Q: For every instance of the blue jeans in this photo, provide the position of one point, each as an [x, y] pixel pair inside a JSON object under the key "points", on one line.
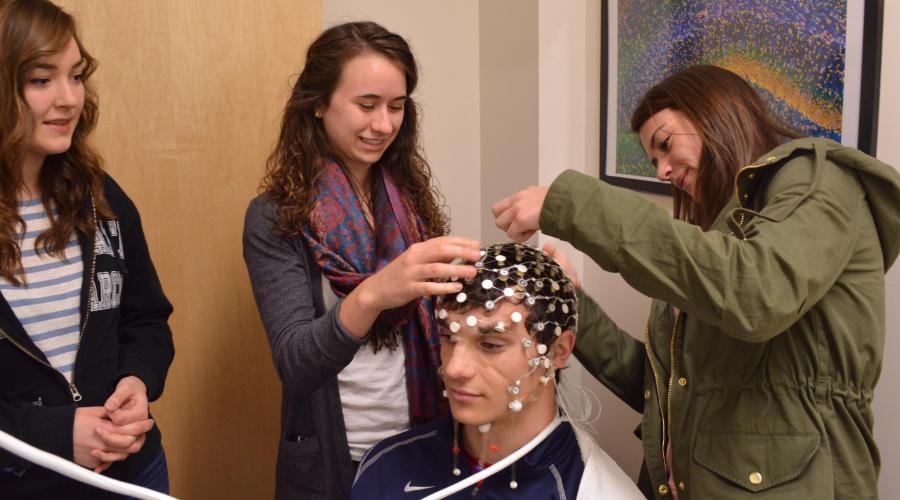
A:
{"points": [[155, 475]]}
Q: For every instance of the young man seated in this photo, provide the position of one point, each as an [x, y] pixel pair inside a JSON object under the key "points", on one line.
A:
{"points": [[503, 338]]}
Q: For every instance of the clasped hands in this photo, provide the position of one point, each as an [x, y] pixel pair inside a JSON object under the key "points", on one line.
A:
{"points": [[109, 433]]}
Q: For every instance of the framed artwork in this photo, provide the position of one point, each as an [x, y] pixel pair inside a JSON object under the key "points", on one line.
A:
{"points": [[815, 62]]}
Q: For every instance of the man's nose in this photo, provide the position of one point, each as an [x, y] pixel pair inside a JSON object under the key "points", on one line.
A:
{"points": [[458, 364]]}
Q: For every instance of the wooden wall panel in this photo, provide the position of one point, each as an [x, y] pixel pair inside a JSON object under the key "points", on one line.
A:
{"points": [[190, 99]]}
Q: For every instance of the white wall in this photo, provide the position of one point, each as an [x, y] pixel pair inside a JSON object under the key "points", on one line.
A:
{"points": [[444, 39]]}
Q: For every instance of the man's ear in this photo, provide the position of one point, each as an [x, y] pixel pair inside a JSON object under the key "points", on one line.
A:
{"points": [[562, 349]]}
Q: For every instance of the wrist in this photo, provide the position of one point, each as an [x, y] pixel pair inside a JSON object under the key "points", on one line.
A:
{"points": [[358, 311], [135, 381], [366, 300]]}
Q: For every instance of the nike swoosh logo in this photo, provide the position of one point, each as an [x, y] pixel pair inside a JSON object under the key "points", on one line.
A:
{"points": [[409, 488]]}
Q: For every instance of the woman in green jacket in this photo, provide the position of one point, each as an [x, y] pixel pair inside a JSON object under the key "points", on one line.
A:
{"points": [[765, 338]]}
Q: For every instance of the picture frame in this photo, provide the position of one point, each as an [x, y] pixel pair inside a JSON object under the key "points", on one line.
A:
{"points": [[825, 57]]}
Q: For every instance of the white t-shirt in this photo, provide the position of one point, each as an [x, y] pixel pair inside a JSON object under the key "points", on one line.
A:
{"points": [[373, 392]]}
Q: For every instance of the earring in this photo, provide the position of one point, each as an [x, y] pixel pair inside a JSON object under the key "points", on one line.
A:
{"points": [[318, 114]]}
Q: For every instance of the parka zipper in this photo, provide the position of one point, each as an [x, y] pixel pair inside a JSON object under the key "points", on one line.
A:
{"points": [[664, 418], [73, 389], [737, 188]]}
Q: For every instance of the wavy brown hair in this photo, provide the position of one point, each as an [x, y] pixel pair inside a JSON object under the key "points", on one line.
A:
{"points": [[31, 30], [296, 163], [734, 124]]}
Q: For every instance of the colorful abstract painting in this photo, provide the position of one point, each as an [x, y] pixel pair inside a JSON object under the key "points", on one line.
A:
{"points": [[791, 51]]}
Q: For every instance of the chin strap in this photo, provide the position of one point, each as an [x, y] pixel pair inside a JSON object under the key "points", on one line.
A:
{"points": [[497, 467]]}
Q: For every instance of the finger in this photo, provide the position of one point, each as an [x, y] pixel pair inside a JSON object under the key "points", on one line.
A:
{"points": [[519, 236], [550, 250], [502, 205], [135, 429], [438, 270], [458, 240], [138, 444], [563, 260], [109, 456], [115, 400], [128, 414], [430, 288], [559, 256], [102, 467], [446, 251], [113, 440], [505, 219]]}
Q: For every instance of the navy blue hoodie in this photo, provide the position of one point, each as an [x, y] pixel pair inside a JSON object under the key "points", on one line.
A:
{"points": [[125, 332]]}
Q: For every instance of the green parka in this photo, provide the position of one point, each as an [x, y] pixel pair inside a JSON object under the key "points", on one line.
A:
{"points": [[763, 381]]}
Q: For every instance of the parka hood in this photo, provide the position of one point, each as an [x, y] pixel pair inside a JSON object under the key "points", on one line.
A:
{"points": [[880, 181]]}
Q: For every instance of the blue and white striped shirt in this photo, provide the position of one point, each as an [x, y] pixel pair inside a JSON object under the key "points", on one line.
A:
{"points": [[48, 304]]}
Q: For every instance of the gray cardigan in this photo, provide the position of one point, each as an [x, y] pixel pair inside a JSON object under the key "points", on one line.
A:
{"points": [[309, 349]]}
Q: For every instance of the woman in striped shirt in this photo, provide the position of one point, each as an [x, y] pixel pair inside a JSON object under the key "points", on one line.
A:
{"points": [[80, 353]]}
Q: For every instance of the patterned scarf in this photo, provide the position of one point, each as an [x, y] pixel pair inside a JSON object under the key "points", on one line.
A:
{"points": [[348, 251]]}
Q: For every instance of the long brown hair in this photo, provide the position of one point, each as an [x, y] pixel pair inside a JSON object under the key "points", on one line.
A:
{"points": [[30, 30], [734, 125], [296, 163]]}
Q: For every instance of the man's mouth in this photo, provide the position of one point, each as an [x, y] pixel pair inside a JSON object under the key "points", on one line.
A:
{"points": [[461, 395]]}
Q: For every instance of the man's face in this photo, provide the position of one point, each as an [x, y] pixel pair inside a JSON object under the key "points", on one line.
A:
{"points": [[484, 358]]}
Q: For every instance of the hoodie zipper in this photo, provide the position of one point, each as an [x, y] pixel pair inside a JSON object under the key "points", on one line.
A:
{"points": [[73, 389]]}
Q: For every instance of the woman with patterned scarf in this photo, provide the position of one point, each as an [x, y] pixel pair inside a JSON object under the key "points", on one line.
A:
{"points": [[344, 247]]}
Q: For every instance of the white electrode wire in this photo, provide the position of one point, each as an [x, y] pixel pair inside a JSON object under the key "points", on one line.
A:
{"points": [[75, 471], [497, 467], [578, 403]]}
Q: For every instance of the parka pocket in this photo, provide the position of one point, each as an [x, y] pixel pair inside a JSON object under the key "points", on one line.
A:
{"points": [[755, 462]]}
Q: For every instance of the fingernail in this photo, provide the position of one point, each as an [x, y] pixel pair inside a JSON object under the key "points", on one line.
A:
{"points": [[457, 286]]}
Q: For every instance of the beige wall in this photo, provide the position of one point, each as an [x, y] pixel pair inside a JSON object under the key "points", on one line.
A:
{"points": [[444, 38], [887, 394], [190, 97], [509, 110]]}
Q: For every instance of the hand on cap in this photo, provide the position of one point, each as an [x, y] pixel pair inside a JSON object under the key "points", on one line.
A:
{"points": [[563, 260], [417, 272], [519, 216]]}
